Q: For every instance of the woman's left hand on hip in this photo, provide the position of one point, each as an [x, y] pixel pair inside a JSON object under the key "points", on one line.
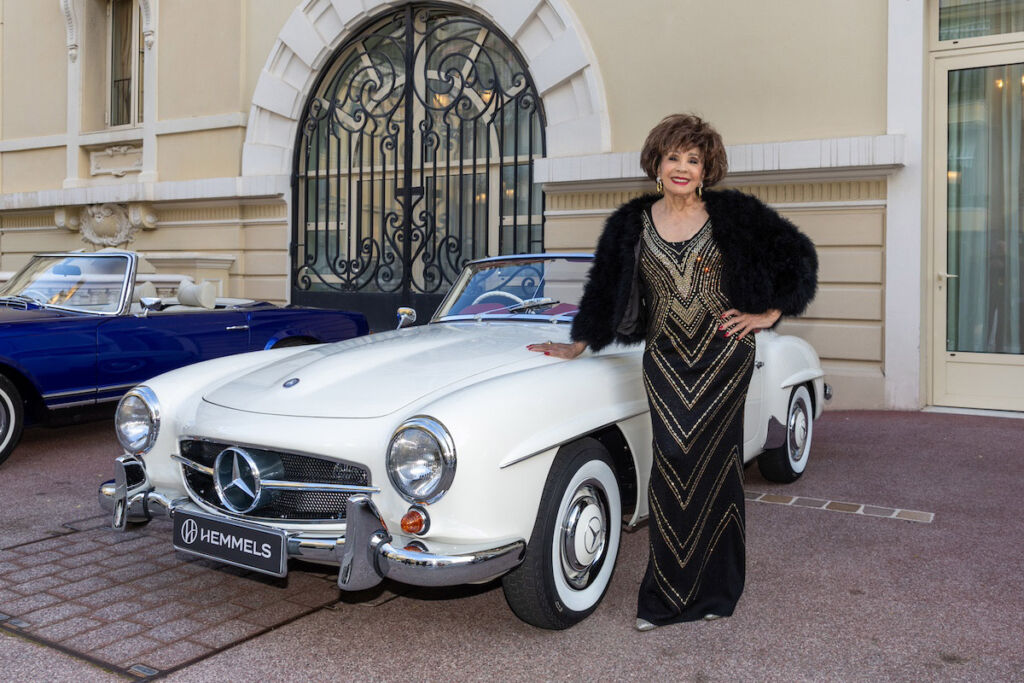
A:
{"points": [[742, 324]]}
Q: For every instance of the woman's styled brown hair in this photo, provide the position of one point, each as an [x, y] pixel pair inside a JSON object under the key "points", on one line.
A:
{"points": [[683, 131]]}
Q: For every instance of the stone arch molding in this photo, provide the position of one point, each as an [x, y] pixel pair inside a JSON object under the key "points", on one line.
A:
{"points": [[546, 32]]}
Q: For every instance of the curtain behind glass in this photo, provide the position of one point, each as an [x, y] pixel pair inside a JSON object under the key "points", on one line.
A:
{"points": [[120, 62], [960, 19], [984, 206]]}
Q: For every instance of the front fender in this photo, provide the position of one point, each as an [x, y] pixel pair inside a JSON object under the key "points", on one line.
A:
{"points": [[180, 392], [507, 431]]}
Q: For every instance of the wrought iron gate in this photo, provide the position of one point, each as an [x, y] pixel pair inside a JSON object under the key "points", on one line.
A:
{"points": [[415, 154]]}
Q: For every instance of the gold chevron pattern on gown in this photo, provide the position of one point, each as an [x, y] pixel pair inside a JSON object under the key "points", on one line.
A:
{"points": [[696, 380]]}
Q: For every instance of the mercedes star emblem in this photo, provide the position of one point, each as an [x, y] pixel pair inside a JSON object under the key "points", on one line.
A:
{"points": [[237, 479], [593, 536]]}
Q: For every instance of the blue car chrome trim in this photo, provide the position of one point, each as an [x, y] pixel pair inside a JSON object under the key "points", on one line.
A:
{"points": [[574, 255], [67, 394], [129, 277]]}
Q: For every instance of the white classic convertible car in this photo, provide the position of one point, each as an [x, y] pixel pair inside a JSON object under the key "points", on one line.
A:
{"points": [[436, 455]]}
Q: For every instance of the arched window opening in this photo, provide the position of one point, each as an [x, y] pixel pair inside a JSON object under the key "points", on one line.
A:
{"points": [[415, 155]]}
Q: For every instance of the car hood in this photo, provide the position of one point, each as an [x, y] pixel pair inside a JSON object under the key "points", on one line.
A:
{"points": [[10, 314], [376, 375]]}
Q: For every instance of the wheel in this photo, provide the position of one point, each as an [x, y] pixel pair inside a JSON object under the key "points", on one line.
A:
{"points": [[498, 294], [787, 462], [575, 541], [12, 417]]}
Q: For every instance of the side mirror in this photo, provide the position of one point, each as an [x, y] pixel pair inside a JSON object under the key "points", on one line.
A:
{"points": [[152, 303], [406, 317]]}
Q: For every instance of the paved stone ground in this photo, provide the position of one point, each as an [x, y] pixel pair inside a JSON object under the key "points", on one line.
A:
{"points": [[130, 602], [840, 586]]}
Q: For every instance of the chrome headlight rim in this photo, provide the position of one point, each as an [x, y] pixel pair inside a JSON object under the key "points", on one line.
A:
{"points": [[152, 404], [446, 446]]}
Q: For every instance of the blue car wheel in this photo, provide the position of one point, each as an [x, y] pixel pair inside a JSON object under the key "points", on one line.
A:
{"points": [[12, 417]]}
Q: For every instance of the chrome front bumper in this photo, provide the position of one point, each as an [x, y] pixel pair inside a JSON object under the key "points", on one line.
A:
{"points": [[366, 553]]}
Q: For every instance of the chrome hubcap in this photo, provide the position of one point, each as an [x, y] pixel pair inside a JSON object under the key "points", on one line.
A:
{"points": [[584, 531], [797, 431]]}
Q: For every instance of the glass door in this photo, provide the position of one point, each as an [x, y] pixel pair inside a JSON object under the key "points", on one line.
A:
{"points": [[978, 334]]}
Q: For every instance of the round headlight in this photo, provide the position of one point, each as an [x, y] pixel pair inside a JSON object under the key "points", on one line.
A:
{"points": [[137, 420], [421, 460]]}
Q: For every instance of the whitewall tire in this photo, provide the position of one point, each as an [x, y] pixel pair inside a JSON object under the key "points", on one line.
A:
{"points": [[787, 462], [575, 541], [12, 417]]}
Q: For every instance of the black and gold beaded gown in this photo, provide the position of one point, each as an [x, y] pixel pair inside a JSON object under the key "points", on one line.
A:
{"points": [[696, 380]]}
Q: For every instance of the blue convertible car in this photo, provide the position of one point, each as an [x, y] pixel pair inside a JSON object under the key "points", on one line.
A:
{"points": [[81, 328]]}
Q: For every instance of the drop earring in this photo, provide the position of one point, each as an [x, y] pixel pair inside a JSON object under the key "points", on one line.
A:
{"points": [[660, 186], [700, 191]]}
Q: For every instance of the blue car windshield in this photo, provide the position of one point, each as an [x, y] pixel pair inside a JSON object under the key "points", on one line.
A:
{"points": [[534, 288], [89, 283]]}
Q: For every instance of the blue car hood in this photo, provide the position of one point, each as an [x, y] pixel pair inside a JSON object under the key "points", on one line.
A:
{"points": [[15, 315]]}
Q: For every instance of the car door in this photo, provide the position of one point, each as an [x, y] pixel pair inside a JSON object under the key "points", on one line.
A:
{"points": [[58, 354], [269, 324], [134, 348]]}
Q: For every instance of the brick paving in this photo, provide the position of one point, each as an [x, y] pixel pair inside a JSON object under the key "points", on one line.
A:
{"points": [[130, 601]]}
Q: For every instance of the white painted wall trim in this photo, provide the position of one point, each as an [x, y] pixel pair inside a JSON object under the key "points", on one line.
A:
{"points": [[179, 190], [193, 124], [825, 157], [904, 216], [190, 124], [842, 205], [557, 54], [42, 142]]}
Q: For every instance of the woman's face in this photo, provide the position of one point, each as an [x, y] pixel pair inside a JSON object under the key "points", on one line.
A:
{"points": [[681, 171]]}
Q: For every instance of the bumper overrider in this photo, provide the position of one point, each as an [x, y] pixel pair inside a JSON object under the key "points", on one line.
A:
{"points": [[366, 553]]}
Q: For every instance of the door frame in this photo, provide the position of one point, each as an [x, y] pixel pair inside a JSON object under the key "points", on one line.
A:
{"points": [[982, 364]]}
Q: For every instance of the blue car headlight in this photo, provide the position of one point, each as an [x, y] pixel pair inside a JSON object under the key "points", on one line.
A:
{"points": [[421, 460], [137, 420]]}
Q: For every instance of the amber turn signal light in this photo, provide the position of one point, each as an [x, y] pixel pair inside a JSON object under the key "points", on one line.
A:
{"points": [[414, 521]]}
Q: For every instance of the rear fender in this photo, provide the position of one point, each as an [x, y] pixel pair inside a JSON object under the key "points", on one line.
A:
{"points": [[789, 362]]}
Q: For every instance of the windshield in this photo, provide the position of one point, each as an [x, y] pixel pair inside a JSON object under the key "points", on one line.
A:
{"points": [[91, 282], [546, 289]]}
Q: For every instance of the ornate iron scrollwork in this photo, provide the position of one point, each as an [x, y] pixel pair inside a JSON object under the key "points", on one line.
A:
{"points": [[415, 152]]}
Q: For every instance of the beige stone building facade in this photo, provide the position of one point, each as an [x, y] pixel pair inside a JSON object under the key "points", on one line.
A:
{"points": [[277, 147]]}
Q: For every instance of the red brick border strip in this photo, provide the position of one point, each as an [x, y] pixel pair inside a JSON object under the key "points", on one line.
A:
{"points": [[838, 506]]}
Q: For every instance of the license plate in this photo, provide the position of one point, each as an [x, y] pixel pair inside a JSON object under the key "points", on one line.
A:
{"points": [[243, 545]]}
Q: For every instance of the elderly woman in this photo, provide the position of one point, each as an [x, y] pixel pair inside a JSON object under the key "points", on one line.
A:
{"points": [[693, 272]]}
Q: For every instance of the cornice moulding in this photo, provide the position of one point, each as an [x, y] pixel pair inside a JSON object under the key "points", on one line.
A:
{"points": [[178, 190], [826, 159]]}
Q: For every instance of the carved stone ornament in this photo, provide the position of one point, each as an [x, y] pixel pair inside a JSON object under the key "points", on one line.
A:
{"points": [[148, 30], [107, 225], [116, 160], [70, 27]]}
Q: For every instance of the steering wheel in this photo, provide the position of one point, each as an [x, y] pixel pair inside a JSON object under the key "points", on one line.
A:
{"points": [[497, 293], [35, 295]]}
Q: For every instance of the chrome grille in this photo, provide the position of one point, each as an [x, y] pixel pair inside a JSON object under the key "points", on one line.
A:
{"points": [[283, 505]]}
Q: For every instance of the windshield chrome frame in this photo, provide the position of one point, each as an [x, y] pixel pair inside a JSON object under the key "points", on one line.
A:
{"points": [[127, 283], [520, 317]]}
